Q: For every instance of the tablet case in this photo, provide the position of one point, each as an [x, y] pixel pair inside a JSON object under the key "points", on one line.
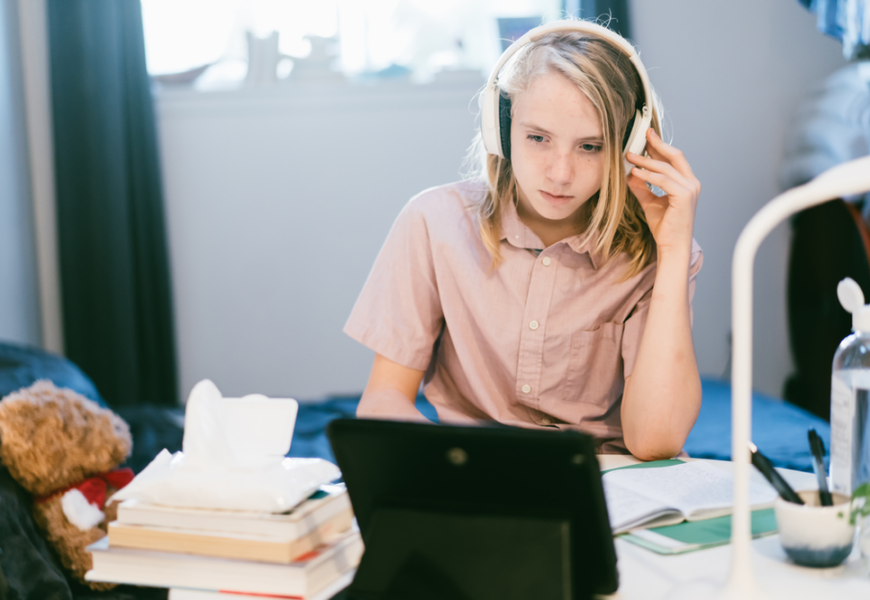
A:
{"points": [[475, 513]]}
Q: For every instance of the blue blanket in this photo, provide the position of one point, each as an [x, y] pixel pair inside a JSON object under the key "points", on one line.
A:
{"points": [[779, 429], [21, 366]]}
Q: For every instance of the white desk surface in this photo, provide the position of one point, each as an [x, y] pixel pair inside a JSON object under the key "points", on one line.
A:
{"points": [[645, 575]]}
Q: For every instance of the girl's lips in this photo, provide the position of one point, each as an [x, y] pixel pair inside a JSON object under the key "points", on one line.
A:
{"points": [[553, 199]]}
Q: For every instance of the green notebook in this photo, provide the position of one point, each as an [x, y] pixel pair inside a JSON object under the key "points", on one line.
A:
{"points": [[693, 535], [653, 464], [679, 508], [697, 535]]}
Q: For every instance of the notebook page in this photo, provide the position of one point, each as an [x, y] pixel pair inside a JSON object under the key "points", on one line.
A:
{"points": [[696, 489], [628, 509]]}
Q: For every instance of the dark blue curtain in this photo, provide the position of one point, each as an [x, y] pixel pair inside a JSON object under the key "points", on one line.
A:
{"points": [[114, 264], [848, 21]]}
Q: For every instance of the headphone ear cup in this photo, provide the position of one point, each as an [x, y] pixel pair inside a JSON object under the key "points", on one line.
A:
{"points": [[504, 125], [635, 135], [629, 129]]}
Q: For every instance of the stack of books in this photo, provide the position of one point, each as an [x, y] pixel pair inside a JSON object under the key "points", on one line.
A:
{"points": [[308, 553]]}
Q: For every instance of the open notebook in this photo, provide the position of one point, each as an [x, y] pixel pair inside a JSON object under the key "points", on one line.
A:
{"points": [[690, 491]]}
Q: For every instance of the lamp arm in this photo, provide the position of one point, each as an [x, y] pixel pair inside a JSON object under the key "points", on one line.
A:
{"points": [[844, 180]]}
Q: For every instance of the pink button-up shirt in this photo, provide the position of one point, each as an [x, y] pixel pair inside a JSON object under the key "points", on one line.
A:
{"points": [[546, 339]]}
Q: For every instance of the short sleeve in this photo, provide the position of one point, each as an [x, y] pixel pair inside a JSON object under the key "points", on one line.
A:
{"points": [[398, 313], [636, 321]]}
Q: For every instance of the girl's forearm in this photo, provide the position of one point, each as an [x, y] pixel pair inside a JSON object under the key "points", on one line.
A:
{"points": [[387, 403], [390, 392], [663, 394]]}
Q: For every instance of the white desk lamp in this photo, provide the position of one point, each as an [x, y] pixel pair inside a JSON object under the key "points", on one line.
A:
{"points": [[844, 180]]}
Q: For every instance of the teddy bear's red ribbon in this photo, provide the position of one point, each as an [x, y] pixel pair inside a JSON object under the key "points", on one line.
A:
{"points": [[94, 488]]}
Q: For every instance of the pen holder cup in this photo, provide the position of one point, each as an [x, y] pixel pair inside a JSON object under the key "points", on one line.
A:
{"points": [[814, 535]]}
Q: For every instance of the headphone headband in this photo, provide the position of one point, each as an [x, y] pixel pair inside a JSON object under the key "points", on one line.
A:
{"points": [[492, 129]]}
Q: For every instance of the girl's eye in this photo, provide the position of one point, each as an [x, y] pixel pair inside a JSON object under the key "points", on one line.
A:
{"points": [[537, 138], [590, 148]]}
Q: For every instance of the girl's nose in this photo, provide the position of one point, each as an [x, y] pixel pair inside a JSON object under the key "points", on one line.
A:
{"points": [[561, 169]]}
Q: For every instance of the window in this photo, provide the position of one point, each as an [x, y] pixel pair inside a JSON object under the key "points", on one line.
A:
{"points": [[358, 38]]}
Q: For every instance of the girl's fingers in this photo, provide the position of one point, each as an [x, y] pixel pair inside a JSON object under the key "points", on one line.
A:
{"points": [[671, 187], [638, 186], [657, 148], [645, 196], [657, 166], [666, 167]]}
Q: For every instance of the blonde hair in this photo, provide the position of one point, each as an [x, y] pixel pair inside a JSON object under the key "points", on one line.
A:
{"points": [[608, 78]]}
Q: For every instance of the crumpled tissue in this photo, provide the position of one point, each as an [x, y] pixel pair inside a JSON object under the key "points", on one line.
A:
{"points": [[233, 458]]}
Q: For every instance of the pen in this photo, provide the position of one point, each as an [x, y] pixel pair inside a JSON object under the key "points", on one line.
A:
{"points": [[763, 464], [817, 447]]}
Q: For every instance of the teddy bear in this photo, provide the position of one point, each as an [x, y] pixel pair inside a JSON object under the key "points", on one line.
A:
{"points": [[65, 449]]}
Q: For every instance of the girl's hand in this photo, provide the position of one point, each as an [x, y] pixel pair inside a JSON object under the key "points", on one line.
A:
{"points": [[670, 217]]}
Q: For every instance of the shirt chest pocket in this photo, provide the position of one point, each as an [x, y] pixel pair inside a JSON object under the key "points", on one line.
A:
{"points": [[595, 366]]}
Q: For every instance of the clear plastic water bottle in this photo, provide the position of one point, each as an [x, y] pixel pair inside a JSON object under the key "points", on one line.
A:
{"points": [[850, 386]]}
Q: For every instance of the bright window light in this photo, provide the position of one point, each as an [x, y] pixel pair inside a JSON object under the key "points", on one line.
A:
{"points": [[372, 37]]}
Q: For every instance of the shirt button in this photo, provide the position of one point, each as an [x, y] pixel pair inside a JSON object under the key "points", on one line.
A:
{"points": [[534, 325], [546, 261], [545, 421], [527, 388]]}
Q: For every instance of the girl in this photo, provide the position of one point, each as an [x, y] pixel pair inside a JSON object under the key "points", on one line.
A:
{"points": [[554, 290]]}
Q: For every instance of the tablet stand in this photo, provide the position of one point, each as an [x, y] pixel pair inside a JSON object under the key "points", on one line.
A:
{"points": [[423, 555]]}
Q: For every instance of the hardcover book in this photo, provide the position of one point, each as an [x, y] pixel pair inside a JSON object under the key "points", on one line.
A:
{"points": [[305, 577], [326, 593], [328, 502], [246, 546]]}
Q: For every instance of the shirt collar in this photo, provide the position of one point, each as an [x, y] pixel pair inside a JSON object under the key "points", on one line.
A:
{"points": [[518, 234]]}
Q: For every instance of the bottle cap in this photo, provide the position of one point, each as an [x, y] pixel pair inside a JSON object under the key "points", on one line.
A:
{"points": [[852, 299]]}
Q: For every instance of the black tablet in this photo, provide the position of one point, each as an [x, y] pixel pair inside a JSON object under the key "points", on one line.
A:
{"points": [[475, 512]]}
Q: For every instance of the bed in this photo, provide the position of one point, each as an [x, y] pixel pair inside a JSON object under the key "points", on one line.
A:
{"points": [[28, 567]]}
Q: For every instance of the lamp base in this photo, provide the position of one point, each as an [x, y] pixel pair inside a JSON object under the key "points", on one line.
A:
{"points": [[730, 590]]}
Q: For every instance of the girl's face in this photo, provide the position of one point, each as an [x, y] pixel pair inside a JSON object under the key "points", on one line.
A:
{"points": [[556, 151]]}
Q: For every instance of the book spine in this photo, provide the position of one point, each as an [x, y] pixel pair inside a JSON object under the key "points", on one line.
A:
{"points": [[182, 594], [218, 575], [267, 549], [305, 520]]}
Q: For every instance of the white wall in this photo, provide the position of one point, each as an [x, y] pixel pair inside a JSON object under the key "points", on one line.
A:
{"points": [[730, 75], [19, 296], [279, 199]]}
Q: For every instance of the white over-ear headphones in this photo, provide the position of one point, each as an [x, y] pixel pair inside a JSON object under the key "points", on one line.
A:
{"points": [[495, 110]]}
